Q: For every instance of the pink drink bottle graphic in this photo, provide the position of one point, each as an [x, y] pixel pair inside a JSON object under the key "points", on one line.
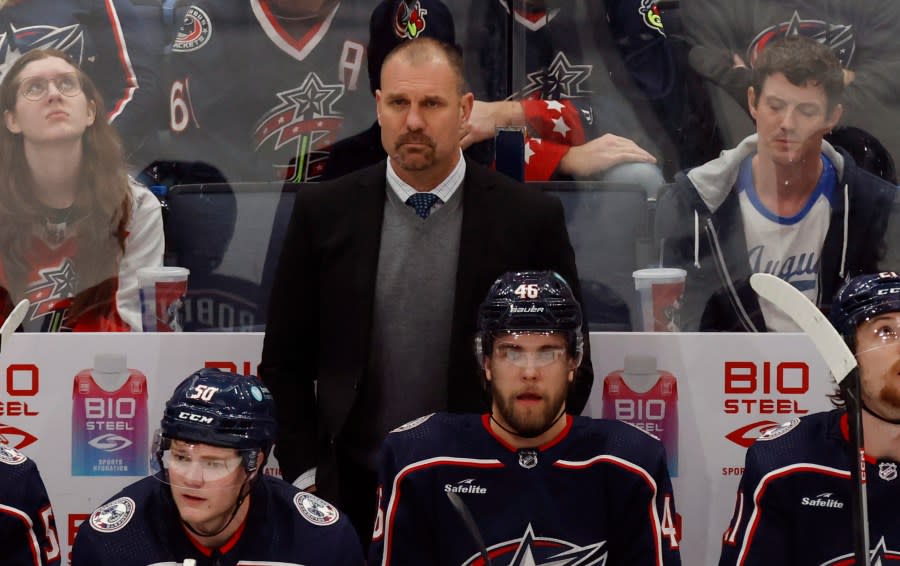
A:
{"points": [[109, 420], [647, 398]]}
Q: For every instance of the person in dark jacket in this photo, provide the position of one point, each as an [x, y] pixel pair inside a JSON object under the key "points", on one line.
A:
{"points": [[783, 201]]}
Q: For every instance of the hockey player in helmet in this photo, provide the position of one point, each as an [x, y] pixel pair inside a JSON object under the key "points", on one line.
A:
{"points": [[210, 501], [794, 500], [539, 483]]}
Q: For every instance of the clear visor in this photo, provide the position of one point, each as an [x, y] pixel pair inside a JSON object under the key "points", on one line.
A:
{"points": [[530, 349], [196, 466], [878, 332]]}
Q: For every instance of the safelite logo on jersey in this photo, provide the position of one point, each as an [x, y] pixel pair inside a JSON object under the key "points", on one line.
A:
{"points": [[465, 486]]}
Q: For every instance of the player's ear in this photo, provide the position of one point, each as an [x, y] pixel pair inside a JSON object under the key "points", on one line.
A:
{"points": [[751, 101]]}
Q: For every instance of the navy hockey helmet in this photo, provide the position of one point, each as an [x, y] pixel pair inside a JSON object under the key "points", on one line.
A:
{"points": [[221, 409], [862, 298], [529, 301]]}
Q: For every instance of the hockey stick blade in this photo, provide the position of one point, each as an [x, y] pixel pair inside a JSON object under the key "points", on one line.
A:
{"points": [[463, 511], [838, 357], [13, 320]]}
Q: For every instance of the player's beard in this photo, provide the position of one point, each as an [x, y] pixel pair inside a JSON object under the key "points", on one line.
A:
{"points": [[890, 391], [419, 160], [532, 422]]}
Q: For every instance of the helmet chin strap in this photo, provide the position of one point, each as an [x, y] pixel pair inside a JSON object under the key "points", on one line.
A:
{"points": [[562, 412], [877, 416]]}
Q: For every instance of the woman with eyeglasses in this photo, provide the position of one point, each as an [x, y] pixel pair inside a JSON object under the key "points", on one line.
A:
{"points": [[74, 228]]}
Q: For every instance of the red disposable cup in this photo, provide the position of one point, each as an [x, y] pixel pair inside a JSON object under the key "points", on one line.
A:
{"points": [[661, 290], [162, 292]]}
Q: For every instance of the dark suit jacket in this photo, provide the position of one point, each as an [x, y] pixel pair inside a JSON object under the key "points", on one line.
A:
{"points": [[320, 315]]}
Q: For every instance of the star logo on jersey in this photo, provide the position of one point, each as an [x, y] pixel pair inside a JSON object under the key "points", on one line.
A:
{"points": [[316, 511], [838, 37], [530, 550], [69, 39], [300, 126], [57, 284], [113, 516], [887, 471], [11, 456], [14, 437], [880, 556], [560, 79]]}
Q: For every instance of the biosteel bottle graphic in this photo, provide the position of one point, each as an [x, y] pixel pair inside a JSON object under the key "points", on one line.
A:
{"points": [[109, 419], [646, 397]]}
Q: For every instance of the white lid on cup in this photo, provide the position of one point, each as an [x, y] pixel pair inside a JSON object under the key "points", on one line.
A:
{"points": [[673, 273], [163, 273]]}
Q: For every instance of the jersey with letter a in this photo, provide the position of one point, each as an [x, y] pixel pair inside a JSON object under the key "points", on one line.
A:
{"points": [[655, 410], [27, 528], [596, 494], [140, 526], [259, 104], [794, 500]]}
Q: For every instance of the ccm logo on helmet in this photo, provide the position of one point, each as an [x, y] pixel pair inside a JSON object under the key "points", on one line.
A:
{"points": [[891, 291], [202, 419]]}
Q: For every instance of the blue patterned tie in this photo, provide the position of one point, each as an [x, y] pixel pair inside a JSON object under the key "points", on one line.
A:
{"points": [[422, 203]]}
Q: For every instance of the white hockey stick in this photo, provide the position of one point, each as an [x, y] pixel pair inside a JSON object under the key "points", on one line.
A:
{"points": [[842, 363], [463, 511], [13, 320]]}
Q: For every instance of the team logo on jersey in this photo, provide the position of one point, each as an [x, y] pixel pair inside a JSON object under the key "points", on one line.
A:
{"points": [[534, 550], [824, 500], [69, 39], [779, 430], [413, 423], [195, 31], [297, 130], [528, 458], [9, 435], [747, 434], [650, 15], [880, 555], [839, 38], [887, 471], [11, 456], [114, 515], [560, 79], [316, 511], [409, 21]]}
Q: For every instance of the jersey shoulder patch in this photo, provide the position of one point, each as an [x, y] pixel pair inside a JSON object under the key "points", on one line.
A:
{"points": [[315, 510], [413, 423], [11, 456], [113, 516], [779, 430], [195, 31]]}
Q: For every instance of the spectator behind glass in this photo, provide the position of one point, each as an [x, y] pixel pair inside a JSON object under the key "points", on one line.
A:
{"points": [[784, 201], [106, 39], [392, 23], [728, 37], [575, 96], [301, 87], [74, 229]]}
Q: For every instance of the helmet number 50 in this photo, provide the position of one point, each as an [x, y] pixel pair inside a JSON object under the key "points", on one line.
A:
{"points": [[529, 291], [203, 392]]}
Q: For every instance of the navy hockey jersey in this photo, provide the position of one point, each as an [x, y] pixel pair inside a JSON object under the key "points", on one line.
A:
{"points": [[106, 39], [598, 494], [27, 527], [284, 526], [794, 500], [258, 104]]}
